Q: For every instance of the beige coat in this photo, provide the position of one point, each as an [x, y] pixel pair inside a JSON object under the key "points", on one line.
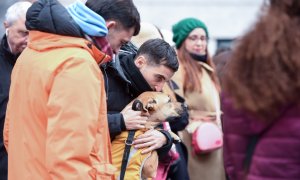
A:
{"points": [[208, 166]]}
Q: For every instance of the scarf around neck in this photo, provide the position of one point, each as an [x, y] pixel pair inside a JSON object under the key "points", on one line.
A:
{"points": [[133, 74]]}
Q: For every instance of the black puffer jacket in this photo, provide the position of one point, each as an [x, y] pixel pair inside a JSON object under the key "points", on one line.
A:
{"points": [[124, 82]]}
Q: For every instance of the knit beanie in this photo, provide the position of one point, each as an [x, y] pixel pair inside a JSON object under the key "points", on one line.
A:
{"points": [[183, 28]]}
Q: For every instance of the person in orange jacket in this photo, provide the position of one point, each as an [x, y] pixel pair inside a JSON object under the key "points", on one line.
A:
{"points": [[56, 124]]}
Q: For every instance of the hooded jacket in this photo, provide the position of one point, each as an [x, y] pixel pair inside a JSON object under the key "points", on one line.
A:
{"points": [[56, 124]]}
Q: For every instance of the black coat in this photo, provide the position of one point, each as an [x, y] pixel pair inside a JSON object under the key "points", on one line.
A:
{"points": [[7, 62], [124, 82]]}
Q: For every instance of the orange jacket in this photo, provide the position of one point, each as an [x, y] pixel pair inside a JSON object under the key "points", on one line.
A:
{"points": [[56, 124]]}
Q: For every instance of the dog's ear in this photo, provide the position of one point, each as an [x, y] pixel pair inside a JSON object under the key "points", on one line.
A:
{"points": [[137, 105], [150, 106]]}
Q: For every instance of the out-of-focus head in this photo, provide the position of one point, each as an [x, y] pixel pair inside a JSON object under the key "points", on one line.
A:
{"points": [[265, 62], [291, 7], [148, 31], [157, 62], [14, 23], [191, 32], [122, 20]]}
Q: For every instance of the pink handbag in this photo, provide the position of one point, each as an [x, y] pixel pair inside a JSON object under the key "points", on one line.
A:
{"points": [[206, 138]]}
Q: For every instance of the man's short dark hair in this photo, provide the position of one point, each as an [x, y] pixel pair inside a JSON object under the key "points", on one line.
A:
{"points": [[159, 52], [122, 11]]}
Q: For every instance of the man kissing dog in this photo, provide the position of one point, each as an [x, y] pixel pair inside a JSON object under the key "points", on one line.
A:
{"points": [[128, 76]]}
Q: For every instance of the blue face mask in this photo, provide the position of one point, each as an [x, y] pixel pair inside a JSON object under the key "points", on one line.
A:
{"points": [[200, 58]]}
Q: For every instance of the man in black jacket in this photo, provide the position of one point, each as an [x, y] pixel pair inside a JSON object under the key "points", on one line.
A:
{"points": [[128, 76], [12, 44]]}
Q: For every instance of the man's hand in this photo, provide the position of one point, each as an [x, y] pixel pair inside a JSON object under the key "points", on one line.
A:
{"points": [[133, 119], [151, 140]]}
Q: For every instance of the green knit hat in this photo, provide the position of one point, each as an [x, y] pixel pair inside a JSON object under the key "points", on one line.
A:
{"points": [[183, 28]]}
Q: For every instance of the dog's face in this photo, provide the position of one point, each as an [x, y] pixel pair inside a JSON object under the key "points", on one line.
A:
{"points": [[158, 106]]}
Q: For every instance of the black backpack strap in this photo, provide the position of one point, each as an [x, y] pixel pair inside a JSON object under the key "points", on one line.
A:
{"points": [[251, 148], [126, 153], [250, 151]]}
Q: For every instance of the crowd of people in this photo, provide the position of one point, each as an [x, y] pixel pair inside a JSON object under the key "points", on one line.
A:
{"points": [[69, 75]]}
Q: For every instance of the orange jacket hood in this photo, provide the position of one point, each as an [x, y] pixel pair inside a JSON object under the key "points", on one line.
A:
{"points": [[41, 41]]}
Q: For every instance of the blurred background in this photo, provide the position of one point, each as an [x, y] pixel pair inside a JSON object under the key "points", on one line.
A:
{"points": [[226, 19]]}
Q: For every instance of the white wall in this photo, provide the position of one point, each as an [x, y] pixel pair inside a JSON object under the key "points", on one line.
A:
{"points": [[225, 19]]}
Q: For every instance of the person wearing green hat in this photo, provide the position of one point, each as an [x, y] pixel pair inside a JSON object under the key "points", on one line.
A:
{"points": [[199, 85]]}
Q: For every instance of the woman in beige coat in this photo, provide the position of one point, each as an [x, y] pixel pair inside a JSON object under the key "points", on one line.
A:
{"points": [[199, 86]]}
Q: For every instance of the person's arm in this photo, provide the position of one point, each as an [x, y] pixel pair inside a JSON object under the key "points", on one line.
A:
{"points": [[126, 120], [116, 124], [163, 151], [159, 140], [151, 139], [73, 120]]}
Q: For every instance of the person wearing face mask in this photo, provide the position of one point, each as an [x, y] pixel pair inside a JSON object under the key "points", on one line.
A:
{"points": [[199, 86], [12, 44]]}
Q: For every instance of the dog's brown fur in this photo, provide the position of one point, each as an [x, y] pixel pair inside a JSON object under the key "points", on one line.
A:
{"points": [[158, 106]]}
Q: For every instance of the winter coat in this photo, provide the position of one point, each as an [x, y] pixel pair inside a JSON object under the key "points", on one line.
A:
{"points": [[56, 125], [7, 62], [207, 166], [277, 151]]}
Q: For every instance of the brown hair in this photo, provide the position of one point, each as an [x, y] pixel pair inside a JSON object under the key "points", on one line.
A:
{"points": [[263, 73], [192, 69]]}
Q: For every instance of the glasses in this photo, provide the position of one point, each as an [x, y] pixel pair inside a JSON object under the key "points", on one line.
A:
{"points": [[196, 38]]}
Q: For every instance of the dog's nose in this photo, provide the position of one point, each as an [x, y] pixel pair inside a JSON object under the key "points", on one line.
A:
{"points": [[181, 108], [184, 106]]}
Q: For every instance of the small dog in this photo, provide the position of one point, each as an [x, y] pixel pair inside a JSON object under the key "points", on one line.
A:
{"points": [[158, 106]]}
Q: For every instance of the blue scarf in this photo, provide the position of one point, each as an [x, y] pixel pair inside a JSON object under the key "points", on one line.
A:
{"points": [[90, 22]]}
